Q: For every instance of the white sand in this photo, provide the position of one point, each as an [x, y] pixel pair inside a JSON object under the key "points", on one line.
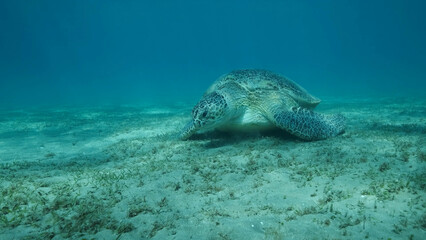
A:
{"points": [[120, 173]]}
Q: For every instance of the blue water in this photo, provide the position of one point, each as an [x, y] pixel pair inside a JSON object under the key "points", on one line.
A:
{"points": [[78, 52]]}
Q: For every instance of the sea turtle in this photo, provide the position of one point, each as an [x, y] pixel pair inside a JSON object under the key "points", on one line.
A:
{"points": [[261, 99]]}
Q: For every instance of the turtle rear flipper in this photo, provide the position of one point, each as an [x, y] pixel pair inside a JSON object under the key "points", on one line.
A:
{"points": [[309, 125]]}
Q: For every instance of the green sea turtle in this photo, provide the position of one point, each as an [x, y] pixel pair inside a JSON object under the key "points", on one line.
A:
{"points": [[260, 99]]}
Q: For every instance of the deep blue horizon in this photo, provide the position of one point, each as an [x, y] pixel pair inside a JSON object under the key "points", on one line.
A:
{"points": [[106, 51]]}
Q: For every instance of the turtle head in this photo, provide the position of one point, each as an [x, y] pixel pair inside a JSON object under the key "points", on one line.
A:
{"points": [[209, 113]]}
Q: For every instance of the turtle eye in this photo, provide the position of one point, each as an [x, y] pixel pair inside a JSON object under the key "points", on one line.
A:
{"points": [[205, 113]]}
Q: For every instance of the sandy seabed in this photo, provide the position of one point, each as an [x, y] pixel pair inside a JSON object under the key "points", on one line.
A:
{"points": [[121, 173]]}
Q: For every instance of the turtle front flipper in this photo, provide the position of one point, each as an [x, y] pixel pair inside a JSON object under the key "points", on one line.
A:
{"points": [[309, 125]]}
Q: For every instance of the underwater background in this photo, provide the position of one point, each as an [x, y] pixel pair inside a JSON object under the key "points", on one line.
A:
{"points": [[101, 52], [94, 95]]}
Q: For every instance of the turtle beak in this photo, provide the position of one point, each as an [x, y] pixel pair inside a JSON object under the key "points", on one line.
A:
{"points": [[188, 130]]}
